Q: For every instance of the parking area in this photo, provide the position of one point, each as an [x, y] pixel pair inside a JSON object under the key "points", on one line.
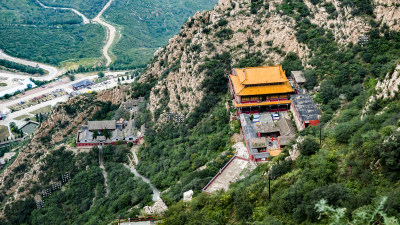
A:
{"points": [[37, 100]]}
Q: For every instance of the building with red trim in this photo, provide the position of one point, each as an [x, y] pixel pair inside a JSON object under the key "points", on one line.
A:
{"points": [[107, 132], [260, 89], [304, 111]]}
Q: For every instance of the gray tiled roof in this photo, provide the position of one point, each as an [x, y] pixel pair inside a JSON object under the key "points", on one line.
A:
{"points": [[267, 128], [82, 83], [100, 125], [298, 76], [85, 135], [305, 106], [258, 142], [286, 127], [101, 138], [285, 140], [249, 131]]}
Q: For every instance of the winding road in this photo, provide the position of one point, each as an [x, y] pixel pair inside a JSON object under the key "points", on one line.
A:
{"points": [[111, 31], [85, 20], [53, 71]]}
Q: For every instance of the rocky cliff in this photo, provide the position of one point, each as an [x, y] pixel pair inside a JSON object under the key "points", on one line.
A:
{"points": [[243, 27]]}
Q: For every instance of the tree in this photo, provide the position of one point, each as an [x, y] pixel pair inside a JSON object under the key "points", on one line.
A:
{"points": [[309, 146], [311, 79], [101, 74], [291, 63], [328, 91]]}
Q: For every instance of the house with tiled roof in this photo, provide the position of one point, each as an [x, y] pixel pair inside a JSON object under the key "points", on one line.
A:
{"points": [[260, 89], [304, 110], [107, 132]]}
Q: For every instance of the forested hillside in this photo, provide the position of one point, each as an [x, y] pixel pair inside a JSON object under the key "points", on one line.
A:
{"points": [[144, 25], [46, 35], [51, 182], [345, 49]]}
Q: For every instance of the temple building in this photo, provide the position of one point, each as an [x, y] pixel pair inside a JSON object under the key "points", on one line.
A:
{"points": [[304, 111], [107, 132], [260, 89]]}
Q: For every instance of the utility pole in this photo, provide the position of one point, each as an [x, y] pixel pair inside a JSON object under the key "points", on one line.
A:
{"points": [[320, 135], [269, 187]]}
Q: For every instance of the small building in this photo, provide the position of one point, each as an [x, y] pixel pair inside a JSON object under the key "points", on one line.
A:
{"points": [[107, 132], [252, 140], [267, 130], [298, 78], [304, 110], [82, 84], [260, 89], [259, 143], [2, 116]]}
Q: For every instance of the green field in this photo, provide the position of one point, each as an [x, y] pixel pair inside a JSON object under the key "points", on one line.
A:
{"points": [[28, 12], [144, 25], [46, 35], [53, 45], [148, 25]]}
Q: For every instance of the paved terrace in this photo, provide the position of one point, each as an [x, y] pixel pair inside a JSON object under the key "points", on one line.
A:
{"points": [[227, 175]]}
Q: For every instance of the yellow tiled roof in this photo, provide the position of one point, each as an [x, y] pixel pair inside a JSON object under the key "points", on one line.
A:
{"points": [[274, 152], [267, 89], [237, 86], [262, 103], [241, 90], [261, 75]]}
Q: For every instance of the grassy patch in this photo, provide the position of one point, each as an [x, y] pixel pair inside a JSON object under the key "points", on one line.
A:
{"points": [[75, 63], [45, 109], [3, 84], [99, 80], [3, 132], [22, 117]]}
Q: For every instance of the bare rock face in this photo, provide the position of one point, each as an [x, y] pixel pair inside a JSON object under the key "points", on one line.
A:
{"points": [[294, 153], [187, 196], [388, 11], [390, 85], [387, 88], [158, 208], [345, 27]]}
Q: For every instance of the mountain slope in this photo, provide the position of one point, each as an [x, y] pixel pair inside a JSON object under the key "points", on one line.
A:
{"points": [[356, 166]]}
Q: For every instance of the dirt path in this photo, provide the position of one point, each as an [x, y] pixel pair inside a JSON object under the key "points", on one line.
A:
{"points": [[85, 20], [131, 167], [101, 160], [111, 32]]}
